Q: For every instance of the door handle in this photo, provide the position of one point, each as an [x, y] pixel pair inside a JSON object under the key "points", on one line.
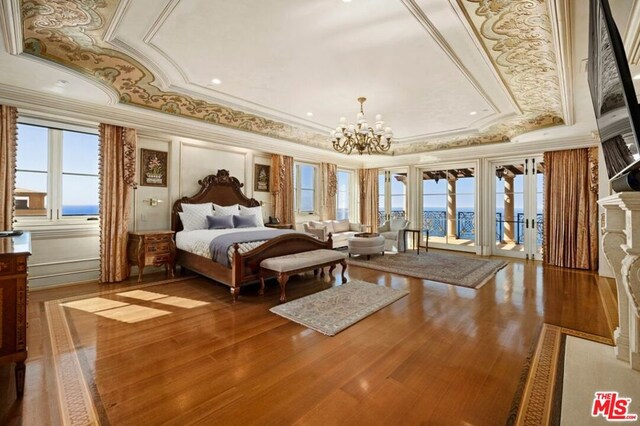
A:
{"points": [[527, 223]]}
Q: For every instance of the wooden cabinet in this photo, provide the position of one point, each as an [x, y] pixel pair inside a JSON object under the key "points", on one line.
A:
{"points": [[151, 248], [14, 252]]}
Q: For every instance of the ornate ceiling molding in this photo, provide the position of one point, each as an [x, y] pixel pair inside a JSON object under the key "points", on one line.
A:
{"points": [[516, 35]]}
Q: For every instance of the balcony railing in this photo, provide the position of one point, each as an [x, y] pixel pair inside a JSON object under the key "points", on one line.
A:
{"points": [[435, 221]]}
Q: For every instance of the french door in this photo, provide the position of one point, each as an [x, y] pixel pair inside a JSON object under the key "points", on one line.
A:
{"points": [[392, 194], [519, 207]]}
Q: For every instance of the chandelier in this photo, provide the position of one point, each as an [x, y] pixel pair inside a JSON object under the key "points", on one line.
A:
{"points": [[361, 137]]}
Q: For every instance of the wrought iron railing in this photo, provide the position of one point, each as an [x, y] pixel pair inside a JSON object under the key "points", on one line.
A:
{"points": [[435, 222]]}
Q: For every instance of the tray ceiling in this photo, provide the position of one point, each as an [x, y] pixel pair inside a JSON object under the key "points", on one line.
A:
{"points": [[426, 65]]}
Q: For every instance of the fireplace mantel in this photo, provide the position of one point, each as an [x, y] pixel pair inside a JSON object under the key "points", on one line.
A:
{"points": [[621, 246]]}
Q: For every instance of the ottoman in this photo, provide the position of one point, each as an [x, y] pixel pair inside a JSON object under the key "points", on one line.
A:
{"points": [[366, 244]]}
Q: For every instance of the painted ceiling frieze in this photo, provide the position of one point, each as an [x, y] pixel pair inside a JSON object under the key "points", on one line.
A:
{"points": [[517, 36]]}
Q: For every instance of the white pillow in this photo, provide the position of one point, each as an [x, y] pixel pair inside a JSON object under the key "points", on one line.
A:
{"points": [[341, 225], [225, 210], [257, 211], [194, 216]]}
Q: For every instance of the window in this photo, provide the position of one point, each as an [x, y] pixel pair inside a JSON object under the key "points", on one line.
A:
{"points": [[56, 173], [304, 178], [344, 195]]}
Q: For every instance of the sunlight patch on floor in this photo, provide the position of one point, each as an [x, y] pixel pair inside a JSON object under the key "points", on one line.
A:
{"points": [[94, 304], [132, 313]]}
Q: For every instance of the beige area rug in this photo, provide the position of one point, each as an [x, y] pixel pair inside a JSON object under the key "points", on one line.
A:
{"points": [[75, 396], [456, 269], [538, 400], [333, 310]]}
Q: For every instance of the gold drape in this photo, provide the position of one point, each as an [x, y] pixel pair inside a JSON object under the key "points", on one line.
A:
{"points": [[282, 188], [571, 211], [8, 131], [329, 190], [368, 180], [117, 174]]}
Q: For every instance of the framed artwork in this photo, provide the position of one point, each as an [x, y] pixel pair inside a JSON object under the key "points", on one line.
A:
{"points": [[261, 175], [153, 168]]}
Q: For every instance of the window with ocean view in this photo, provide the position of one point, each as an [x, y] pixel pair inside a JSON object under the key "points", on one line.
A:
{"points": [[448, 206], [304, 178], [344, 194], [56, 173]]}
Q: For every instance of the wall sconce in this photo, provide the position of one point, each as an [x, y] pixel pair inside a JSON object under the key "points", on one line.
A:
{"points": [[152, 202], [500, 172]]}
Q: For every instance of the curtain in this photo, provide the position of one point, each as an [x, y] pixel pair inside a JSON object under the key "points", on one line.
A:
{"points": [[571, 212], [329, 190], [117, 174], [616, 154], [368, 180], [282, 188], [8, 132]]}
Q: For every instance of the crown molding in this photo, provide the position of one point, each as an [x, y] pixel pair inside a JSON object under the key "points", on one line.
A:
{"points": [[63, 109], [632, 34], [489, 151], [560, 12], [11, 25]]}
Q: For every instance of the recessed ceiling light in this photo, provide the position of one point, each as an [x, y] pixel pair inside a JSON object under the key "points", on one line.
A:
{"points": [[309, 114], [473, 113], [62, 83], [346, 1], [216, 81], [636, 77]]}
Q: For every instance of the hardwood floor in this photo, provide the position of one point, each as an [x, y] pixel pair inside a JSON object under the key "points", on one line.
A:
{"points": [[441, 355]]}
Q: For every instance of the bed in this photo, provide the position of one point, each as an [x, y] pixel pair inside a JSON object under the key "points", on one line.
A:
{"points": [[225, 190]]}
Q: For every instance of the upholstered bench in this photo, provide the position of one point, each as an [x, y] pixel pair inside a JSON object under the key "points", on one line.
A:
{"points": [[297, 263]]}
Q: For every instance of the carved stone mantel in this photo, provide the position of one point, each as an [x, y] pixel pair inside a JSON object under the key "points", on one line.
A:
{"points": [[621, 246]]}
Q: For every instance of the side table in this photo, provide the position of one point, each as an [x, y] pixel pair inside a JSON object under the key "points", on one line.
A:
{"points": [[146, 248]]}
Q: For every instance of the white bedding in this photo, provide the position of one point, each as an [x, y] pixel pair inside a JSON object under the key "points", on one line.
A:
{"points": [[198, 241]]}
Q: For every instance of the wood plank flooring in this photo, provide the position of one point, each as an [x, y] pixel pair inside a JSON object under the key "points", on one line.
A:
{"points": [[441, 355]]}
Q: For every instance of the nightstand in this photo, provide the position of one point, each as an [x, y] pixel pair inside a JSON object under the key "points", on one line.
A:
{"points": [[279, 225], [151, 248]]}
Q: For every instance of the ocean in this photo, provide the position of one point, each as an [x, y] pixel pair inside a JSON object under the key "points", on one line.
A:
{"points": [[91, 210]]}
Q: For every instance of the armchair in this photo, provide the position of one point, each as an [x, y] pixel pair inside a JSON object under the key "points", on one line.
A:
{"points": [[393, 233]]}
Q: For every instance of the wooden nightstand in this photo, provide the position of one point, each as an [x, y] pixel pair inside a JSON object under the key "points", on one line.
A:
{"points": [[151, 248], [279, 225]]}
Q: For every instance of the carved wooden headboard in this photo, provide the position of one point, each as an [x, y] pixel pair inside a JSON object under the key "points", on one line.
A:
{"points": [[221, 189]]}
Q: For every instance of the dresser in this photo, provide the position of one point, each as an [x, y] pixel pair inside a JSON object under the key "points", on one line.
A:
{"points": [[14, 252], [279, 225], [151, 248]]}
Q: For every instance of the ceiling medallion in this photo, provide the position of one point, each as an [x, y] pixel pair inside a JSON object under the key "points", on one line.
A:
{"points": [[360, 136]]}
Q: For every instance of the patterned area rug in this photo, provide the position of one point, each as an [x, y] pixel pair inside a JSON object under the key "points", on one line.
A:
{"points": [[538, 400], [331, 311], [456, 269]]}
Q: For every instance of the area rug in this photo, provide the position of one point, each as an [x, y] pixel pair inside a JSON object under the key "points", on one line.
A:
{"points": [[538, 400], [456, 269], [333, 310]]}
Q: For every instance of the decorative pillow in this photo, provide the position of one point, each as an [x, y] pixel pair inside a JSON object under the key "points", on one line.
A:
{"points": [[253, 211], [194, 216], [315, 224], [225, 210], [220, 222], [247, 221], [341, 225]]}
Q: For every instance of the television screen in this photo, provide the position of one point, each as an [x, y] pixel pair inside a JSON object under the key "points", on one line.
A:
{"points": [[612, 92]]}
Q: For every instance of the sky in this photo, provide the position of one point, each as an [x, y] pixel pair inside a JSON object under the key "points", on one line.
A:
{"points": [[79, 155]]}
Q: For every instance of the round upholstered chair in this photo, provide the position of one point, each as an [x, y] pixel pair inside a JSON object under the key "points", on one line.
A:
{"points": [[366, 244]]}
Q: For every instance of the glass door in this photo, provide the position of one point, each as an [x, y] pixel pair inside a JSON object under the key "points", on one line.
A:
{"points": [[392, 195], [519, 204], [448, 207]]}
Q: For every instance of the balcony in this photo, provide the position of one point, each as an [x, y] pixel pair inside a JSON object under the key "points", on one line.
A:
{"points": [[435, 221]]}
